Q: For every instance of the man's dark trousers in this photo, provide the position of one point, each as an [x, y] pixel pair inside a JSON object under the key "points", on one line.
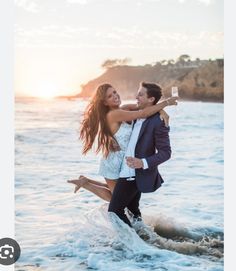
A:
{"points": [[125, 194]]}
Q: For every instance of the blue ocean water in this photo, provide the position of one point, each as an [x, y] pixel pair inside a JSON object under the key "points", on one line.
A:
{"points": [[59, 230]]}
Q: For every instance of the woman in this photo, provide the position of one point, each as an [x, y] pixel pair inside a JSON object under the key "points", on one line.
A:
{"points": [[110, 123]]}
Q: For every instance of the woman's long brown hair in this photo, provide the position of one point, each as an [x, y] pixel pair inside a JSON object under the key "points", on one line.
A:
{"points": [[94, 124]]}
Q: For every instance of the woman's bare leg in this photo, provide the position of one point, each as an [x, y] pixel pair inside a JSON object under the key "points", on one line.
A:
{"points": [[82, 177], [95, 182], [111, 184], [100, 190]]}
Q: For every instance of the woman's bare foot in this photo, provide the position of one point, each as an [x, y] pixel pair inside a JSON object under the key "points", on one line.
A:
{"points": [[78, 182]]}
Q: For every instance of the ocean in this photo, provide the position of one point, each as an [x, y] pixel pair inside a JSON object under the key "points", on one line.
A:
{"points": [[59, 230]]}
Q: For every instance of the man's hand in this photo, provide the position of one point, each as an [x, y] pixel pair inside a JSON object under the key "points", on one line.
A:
{"points": [[134, 162]]}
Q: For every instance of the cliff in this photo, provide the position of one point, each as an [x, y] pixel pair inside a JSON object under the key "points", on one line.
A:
{"points": [[199, 80]]}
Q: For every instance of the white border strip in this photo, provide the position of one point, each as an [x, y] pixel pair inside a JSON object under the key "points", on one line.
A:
{"points": [[229, 136], [7, 122]]}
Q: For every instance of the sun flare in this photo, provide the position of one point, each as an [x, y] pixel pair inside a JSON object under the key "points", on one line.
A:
{"points": [[47, 90]]}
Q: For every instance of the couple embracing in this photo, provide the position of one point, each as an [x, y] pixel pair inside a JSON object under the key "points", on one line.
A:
{"points": [[134, 140]]}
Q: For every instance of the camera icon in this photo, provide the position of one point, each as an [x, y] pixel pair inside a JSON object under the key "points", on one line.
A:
{"points": [[9, 251], [6, 252]]}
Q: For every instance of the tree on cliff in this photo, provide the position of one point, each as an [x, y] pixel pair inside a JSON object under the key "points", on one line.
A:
{"points": [[109, 63], [183, 58]]}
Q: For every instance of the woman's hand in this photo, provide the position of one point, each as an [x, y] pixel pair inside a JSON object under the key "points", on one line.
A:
{"points": [[172, 101], [165, 117]]}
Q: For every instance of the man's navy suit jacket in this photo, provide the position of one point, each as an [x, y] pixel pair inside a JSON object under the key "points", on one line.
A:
{"points": [[154, 145]]}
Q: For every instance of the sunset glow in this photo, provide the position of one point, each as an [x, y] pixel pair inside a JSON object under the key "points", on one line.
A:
{"points": [[64, 43], [47, 90]]}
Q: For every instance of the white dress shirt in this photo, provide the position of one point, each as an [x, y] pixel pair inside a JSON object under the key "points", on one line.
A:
{"points": [[125, 170]]}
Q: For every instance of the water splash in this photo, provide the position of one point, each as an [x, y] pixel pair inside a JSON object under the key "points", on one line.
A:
{"points": [[165, 233], [100, 240]]}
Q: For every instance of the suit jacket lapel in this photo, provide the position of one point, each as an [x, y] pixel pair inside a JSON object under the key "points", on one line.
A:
{"points": [[143, 128]]}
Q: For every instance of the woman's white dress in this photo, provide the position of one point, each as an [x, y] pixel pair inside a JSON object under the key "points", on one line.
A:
{"points": [[110, 167]]}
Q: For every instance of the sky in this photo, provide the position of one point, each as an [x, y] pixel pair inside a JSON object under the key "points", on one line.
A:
{"points": [[61, 44]]}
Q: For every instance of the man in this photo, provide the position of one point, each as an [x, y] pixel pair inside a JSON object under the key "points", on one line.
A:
{"points": [[149, 146]]}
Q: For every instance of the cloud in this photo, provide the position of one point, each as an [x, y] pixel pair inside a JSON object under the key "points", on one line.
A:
{"points": [[27, 5], [50, 35], [140, 2], [81, 2], [206, 2], [117, 38]]}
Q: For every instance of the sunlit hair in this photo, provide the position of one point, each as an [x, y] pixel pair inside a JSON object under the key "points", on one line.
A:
{"points": [[153, 90], [94, 124]]}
